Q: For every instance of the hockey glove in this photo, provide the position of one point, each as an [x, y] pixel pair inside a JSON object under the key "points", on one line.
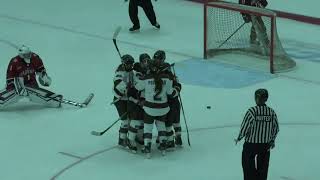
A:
{"points": [[246, 18], [237, 140], [44, 79], [132, 92]]}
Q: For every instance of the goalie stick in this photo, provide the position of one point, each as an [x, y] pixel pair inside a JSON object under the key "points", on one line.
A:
{"points": [[96, 133], [81, 105], [231, 35]]}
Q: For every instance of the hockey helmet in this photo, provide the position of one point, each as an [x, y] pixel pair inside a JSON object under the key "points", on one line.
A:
{"points": [[127, 61], [160, 55]]}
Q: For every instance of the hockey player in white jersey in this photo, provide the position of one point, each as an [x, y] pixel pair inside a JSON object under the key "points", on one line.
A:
{"points": [[22, 74], [123, 89], [135, 133], [157, 86], [173, 126]]}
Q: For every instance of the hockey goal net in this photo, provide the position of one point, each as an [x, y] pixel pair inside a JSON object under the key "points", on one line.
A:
{"points": [[255, 43]]}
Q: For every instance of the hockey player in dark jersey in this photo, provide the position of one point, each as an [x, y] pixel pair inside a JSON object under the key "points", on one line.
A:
{"points": [[135, 134], [258, 34], [173, 117], [124, 95]]}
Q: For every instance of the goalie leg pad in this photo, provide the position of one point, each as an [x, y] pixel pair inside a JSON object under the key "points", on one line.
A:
{"points": [[8, 96], [260, 29], [19, 86], [43, 96]]}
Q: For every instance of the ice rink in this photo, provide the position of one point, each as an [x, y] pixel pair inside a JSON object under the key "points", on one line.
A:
{"points": [[74, 38]]}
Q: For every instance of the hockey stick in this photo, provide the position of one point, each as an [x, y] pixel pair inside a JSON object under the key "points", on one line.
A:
{"points": [[232, 35], [184, 116], [114, 39], [95, 133], [81, 105]]}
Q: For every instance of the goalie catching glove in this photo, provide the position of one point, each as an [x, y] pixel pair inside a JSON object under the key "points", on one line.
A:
{"points": [[44, 79]]}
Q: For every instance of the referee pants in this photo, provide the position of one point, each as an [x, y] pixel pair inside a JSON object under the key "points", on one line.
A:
{"points": [[255, 161], [147, 8]]}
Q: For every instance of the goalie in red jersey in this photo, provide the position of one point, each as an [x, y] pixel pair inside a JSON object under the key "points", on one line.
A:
{"points": [[22, 82]]}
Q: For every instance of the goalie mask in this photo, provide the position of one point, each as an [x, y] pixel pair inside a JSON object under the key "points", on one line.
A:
{"points": [[25, 53]]}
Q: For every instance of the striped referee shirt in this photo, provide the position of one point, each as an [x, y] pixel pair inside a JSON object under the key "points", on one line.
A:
{"points": [[260, 125]]}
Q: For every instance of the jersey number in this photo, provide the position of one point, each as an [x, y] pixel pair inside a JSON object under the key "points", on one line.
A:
{"points": [[156, 97]]}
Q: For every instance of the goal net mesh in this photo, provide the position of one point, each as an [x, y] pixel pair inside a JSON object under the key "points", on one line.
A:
{"points": [[227, 33]]}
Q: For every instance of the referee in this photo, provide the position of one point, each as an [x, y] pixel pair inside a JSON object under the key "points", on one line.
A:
{"points": [[259, 128], [148, 10]]}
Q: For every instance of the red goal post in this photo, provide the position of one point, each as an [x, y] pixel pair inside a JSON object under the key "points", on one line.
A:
{"points": [[225, 32]]}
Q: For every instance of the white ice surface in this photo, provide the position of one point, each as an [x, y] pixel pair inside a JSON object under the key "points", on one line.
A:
{"points": [[74, 40]]}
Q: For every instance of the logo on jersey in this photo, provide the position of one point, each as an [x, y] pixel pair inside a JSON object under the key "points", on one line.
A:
{"points": [[26, 72]]}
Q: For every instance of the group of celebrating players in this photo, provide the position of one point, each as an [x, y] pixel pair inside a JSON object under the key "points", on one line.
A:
{"points": [[146, 93]]}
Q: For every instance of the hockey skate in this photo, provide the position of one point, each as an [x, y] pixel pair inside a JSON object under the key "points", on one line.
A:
{"points": [[178, 141], [133, 147], [134, 28], [122, 143], [170, 146], [147, 150], [157, 25], [162, 147]]}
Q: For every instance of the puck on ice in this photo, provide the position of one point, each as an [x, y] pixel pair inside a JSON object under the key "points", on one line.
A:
{"points": [[208, 107]]}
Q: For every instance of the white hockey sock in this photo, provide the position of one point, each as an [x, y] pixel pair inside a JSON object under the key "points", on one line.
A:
{"points": [[162, 133], [147, 133]]}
